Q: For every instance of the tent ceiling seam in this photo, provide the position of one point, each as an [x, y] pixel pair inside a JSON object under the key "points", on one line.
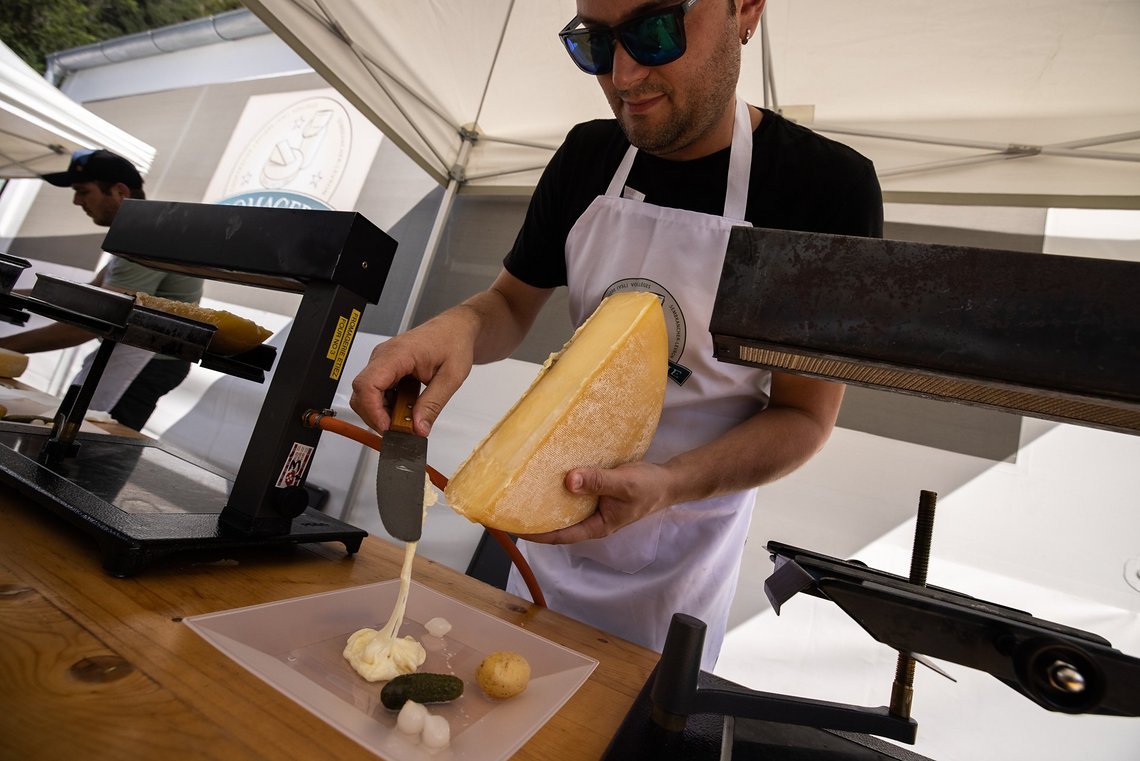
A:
{"points": [[907, 138], [336, 80], [1001, 151], [1074, 153], [934, 166], [494, 63], [368, 65], [505, 172], [523, 143], [1119, 137], [53, 147], [1004, 155], [22, 164]]}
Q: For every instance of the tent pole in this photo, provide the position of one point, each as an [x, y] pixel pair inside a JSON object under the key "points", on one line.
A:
{"points": [[767, 74], [457, 177]]}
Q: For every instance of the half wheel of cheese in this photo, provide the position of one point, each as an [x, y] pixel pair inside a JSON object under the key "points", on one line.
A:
{"points": [[596, 403]]}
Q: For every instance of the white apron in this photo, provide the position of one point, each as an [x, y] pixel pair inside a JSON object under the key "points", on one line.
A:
{"points": [[687, 557]]}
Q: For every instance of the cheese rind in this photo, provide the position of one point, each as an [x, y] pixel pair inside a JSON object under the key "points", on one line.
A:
{"points": [[12, 363], [594, 404]]}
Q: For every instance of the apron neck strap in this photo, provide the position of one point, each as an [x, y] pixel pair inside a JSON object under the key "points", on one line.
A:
{"points": [[739, 165]]}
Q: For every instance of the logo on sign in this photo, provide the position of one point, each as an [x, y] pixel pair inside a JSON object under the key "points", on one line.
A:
{"points": [[295, 160]]}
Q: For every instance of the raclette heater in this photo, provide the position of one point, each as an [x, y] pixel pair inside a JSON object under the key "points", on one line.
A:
{"points": [[142, 501], [1055, 337]]}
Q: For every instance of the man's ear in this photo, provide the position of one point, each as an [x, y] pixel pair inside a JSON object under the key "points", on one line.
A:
{"points": [[750, 11], [120, 191]]}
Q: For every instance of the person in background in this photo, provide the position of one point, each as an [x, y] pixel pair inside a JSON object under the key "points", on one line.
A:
{"points": [[650, 197], [134, 380]]}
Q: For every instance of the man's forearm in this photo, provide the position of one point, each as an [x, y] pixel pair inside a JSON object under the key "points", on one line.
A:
{"points": [[58, 335], [760, 450], [501, 317]]}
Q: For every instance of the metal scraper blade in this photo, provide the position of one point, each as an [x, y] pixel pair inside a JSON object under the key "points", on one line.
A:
{"points": [[400, 473]]}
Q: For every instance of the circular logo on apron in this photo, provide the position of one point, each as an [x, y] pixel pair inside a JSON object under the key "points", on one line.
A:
{"points": [[674, 321]]}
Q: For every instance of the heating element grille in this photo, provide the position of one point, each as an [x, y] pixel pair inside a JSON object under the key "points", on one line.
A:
{"points": [[1049, 336], [1064, 409]]}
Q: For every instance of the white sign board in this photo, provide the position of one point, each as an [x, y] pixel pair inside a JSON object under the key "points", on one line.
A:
{"points": [[301, 150]]}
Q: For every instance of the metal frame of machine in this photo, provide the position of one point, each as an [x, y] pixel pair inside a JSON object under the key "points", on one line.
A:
{"points": [[141, 501], [1048, 336]]}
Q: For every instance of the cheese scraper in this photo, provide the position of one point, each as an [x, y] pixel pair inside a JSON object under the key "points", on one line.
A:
{"points": [[403, 462]]}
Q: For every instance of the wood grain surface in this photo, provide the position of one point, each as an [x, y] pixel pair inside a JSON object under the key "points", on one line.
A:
{"points": [[95, 667]]}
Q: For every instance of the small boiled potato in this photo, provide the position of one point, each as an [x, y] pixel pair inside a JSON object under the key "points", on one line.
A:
{"points": [[503, 674]]}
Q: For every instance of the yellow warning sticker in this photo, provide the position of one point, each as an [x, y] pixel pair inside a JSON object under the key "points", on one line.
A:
{"points": [[342, 342], [337, 339]]}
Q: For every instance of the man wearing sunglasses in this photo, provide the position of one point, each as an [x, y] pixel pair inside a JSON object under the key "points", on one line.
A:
{"points": [[646, 201], [134, 379]]}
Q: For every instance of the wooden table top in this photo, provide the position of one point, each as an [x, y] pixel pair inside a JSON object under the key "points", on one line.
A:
{"points": [[97, 667]]}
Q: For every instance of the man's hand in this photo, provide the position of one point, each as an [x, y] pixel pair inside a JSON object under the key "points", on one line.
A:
{"points": [[435, 353], [625, 494], [440, 353]]}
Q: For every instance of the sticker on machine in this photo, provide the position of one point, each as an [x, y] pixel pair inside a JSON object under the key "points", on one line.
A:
{"points": [[342, 341], [674, 321], [295, 465]]}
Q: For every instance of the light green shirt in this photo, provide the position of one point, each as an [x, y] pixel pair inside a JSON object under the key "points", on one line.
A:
{"points": [[129, 276]]}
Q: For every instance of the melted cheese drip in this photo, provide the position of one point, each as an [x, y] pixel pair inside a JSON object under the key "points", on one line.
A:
{"points": [[379, 655], [430, 494]]}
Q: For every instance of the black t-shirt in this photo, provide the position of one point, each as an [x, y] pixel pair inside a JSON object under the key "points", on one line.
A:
{"points": [[800, 181]]}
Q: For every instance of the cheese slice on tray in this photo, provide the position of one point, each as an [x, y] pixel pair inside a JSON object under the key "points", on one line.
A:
{"points": [[12, 363], [596, 403], [234, 334]]}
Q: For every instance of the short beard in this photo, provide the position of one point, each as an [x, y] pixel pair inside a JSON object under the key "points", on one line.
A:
{"points": [[719, 74]]}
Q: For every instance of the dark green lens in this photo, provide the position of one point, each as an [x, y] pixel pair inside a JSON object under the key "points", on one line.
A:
{"points": [[655, 40]]}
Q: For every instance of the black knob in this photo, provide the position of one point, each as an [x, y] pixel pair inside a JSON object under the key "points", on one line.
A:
{"points": [[290, 501]]}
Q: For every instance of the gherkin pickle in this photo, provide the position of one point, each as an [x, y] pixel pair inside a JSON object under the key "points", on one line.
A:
{"points": [[422, 688]]}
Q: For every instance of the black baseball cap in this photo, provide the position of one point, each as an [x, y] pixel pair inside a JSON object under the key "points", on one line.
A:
{"points": [[94, 166]]}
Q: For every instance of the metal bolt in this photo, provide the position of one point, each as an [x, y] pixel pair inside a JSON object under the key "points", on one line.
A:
{"points": [[1065, 677], [902, 691]]}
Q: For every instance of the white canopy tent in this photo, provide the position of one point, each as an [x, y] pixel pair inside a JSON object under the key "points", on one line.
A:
{"points": [[1021, 103], [1042, 81], [40, 126]]}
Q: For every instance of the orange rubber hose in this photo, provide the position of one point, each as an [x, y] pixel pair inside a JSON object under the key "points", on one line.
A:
{"points": [[314, 419]]}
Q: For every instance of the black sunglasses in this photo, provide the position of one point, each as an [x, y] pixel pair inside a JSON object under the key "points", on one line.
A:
{"points": [[652, 40]]}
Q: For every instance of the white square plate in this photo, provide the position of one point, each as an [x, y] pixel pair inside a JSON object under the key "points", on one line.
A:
{"points": [[295, 645]]}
